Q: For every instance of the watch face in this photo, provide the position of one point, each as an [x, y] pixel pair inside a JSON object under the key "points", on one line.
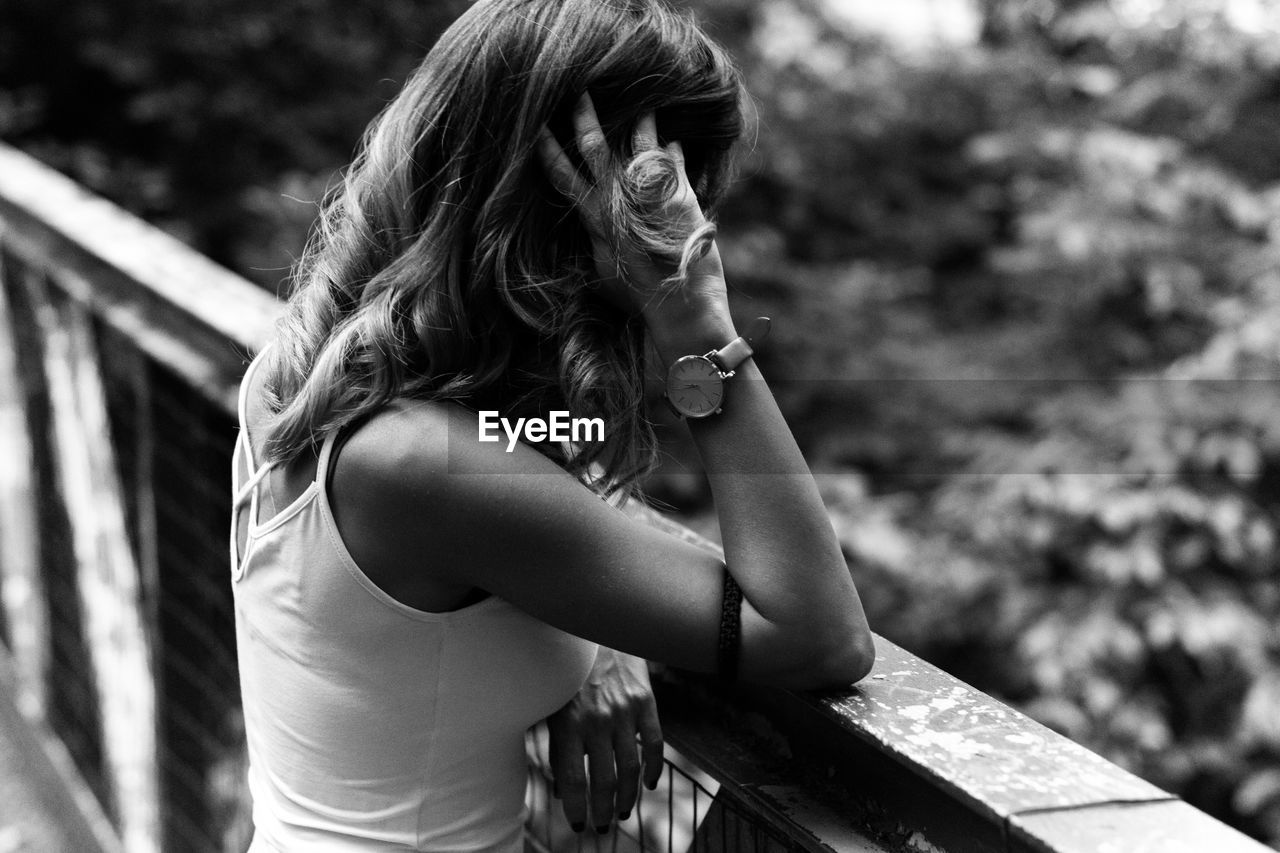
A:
{"points": [[694, 386]]}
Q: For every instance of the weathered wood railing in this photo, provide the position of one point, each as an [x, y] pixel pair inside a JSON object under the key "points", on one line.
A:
{"points": [[120, 351]]}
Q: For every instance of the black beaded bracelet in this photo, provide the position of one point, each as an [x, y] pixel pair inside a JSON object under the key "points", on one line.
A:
{"points": [[730, 628]]}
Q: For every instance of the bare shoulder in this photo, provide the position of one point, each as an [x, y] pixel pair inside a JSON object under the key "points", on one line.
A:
{"points": [[402, 439], [413, 489], [416, 449]]}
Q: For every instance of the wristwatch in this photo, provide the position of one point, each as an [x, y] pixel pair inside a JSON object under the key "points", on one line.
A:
{"points": [[695, 383]]}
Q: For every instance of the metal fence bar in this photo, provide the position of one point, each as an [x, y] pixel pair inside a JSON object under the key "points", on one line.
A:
{"points": [[688, 812]]}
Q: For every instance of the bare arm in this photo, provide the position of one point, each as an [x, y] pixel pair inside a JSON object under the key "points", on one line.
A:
{"points": [[771, 516], [778, 540], [519, 527]]}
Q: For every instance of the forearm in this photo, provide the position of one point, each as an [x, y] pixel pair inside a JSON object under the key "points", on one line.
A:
{"points": [[778, 541], [779, 545]]}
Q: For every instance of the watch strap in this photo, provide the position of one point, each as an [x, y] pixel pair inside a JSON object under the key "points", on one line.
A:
{"points": [[738, 350]]}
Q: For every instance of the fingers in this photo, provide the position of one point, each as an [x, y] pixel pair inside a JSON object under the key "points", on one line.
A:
{"points": [[609, 787], [627, 766], [645, 136], [677, 153], [590, 137], [612, 769], [604, 779], [566, 750], [650, 742], [560, 170]]}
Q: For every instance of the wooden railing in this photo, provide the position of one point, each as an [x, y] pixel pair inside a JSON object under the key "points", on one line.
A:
{"points": [[120, 353]]}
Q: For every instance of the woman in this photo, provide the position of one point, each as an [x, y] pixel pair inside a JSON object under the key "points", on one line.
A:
{"points": [[410, 598]]}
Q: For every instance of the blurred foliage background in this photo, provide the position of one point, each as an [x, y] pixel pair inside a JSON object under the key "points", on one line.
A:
{"points": [[1023, 258]]}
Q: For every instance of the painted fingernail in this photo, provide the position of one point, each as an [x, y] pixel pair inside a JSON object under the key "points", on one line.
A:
{"points": [[601, 830], [625, 815], [652, 786], [577, 826]]}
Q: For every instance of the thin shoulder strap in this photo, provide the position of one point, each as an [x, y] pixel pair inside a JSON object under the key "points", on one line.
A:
{"points": [[243, 407], [249, 485], [258, 473], [328, 448], [249, 488]]}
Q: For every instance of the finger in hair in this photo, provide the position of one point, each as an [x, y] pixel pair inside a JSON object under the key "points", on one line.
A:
{"points": [[590, 137], [677, 153], [645, 136], [560, 170]]}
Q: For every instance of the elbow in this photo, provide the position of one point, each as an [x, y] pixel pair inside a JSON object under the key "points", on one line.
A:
{"points": [[834, 663], [805, 656]]}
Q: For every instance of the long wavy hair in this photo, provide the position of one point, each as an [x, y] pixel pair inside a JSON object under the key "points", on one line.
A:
{"points": [[446, 267]]}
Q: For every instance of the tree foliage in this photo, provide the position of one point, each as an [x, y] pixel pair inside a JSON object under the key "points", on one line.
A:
{"points": [[1025, 292], [222, 121]]}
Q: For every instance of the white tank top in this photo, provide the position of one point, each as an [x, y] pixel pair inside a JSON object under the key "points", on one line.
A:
{"points": [[372, 725]]}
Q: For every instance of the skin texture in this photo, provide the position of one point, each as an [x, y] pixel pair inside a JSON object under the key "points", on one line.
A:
{"points": [[517, 526]]}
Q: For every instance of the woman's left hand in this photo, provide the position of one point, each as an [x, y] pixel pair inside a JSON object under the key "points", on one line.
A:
{"points": [[613, 722]]}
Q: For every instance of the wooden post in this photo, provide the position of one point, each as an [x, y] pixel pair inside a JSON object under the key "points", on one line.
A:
{"points": [[107, 572], [20, 587]]}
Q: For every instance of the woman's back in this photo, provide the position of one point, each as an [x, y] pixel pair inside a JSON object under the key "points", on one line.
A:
{"points": [[371, 724]]}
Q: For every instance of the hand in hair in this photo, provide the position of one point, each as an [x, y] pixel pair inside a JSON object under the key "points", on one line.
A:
{"points": [[648, 233]]}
